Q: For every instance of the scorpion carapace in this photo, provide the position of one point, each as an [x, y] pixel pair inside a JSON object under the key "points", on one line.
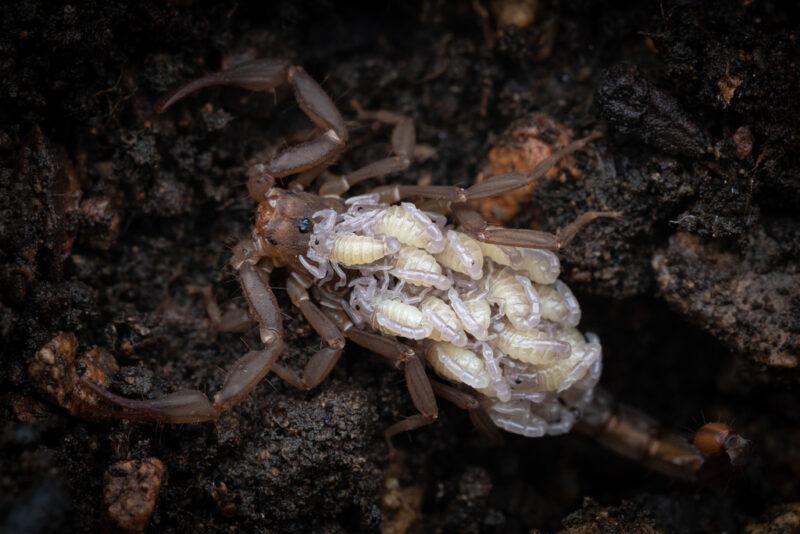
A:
{"points": [[284, 222], [482, 306]]}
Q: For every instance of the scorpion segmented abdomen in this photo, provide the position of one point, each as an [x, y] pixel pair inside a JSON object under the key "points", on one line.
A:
{"points": [[462, 254], [352, 249], [508, 256], [399, 319], [419, 268], [475, 315], [558, 303], [521, 303], [564, 373], [516, 418], [480, 310], [446, 325], [457, 364], [532, 346], [542, 266], [411, 228]]}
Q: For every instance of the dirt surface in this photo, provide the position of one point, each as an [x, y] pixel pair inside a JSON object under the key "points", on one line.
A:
{"points": [[110, 213]]}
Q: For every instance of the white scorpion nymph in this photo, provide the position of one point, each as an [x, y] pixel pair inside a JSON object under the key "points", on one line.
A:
{"points": [[446, 325], [410, 226], [457, 364], [517, 298], [419, 268], [462, 254]]}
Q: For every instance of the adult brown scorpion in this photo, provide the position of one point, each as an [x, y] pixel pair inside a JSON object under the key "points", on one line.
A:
{"points": [[482, 305]]}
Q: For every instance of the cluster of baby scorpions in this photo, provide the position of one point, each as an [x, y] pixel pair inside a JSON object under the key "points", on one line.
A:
{"points": [[480, 305]]}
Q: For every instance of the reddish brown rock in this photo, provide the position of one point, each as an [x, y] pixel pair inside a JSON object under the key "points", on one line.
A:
{"points": [[56, 373], [130, 493], [525, 144]]}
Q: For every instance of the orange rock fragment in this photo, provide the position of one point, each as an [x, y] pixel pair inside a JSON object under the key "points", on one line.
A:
{"points": [[56, 373], [130, 492], [525, 145]]}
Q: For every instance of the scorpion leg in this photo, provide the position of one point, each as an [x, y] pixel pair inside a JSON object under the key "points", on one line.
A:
{"points": [[496, 185], [265, 75], [476, 226], [234, 320], [403, 142], [419, 385], [480, 419], [305, 178], [444, 197], [323, 361], [251, 368]]}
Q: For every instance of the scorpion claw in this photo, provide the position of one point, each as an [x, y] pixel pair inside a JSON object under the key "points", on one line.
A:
{"points": [[255, 75], [245, 374], [187, 406]]}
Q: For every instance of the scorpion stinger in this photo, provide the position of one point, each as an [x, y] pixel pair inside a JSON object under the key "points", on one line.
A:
{"points": [[711, 457]]}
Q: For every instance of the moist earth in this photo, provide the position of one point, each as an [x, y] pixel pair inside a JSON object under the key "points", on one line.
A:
{"points": [[110, 215]]}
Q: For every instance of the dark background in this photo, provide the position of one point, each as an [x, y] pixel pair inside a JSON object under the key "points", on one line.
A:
{"points": [[111, 212]]}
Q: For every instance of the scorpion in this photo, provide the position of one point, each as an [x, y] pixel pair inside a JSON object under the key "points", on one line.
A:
{"points": [[481, 305]]}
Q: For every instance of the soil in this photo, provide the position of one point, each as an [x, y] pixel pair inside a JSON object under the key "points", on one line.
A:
{"points": [[111, 213]]}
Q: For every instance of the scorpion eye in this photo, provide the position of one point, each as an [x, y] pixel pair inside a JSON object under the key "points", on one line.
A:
{"points": [[304, 225]]}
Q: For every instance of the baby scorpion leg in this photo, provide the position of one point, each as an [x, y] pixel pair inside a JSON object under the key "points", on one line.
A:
{"points": [[265, 75], [323, 361], [403, 141]]}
